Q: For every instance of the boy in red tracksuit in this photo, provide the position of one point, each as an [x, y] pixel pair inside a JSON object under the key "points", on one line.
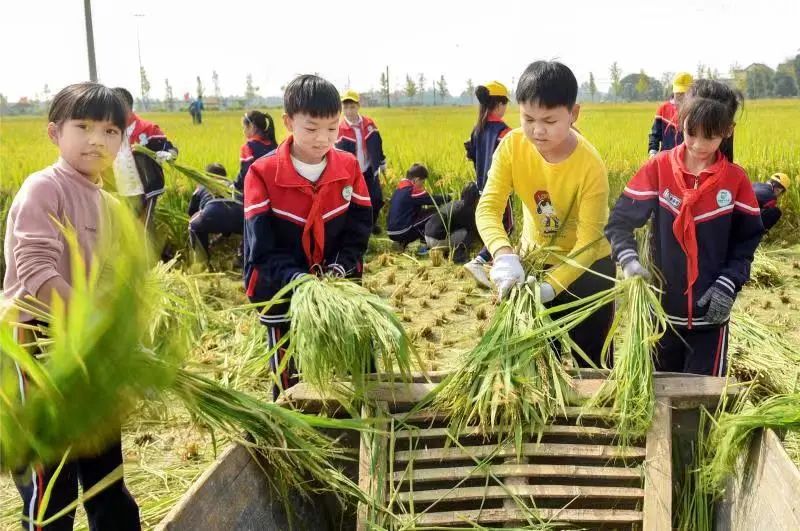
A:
{"points": [[306, 206], [136, 174], [360, 136], [706, 227]]}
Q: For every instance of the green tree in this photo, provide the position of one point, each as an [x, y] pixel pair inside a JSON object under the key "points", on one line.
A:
{"points": [[145, 87], [442, 86], [470, 90], [385, 88], [784, 85], [592, 86], [199, 87], [250, 90], [169, 98], [215, 82], [643, 85], [421, 87], [616, 76], [411, 88]]}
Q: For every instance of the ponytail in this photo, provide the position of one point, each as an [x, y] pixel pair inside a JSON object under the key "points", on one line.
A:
{"points": [[264, 124], [487, 105]]}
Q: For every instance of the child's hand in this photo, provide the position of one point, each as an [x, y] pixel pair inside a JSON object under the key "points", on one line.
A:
{"points": [[506, 273], [719, 305]]}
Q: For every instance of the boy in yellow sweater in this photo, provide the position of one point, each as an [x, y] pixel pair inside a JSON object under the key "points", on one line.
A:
{"points": [[562, 183]]}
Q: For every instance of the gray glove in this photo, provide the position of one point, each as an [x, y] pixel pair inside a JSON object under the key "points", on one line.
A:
{"points": [[634, 268], [719, 305]]}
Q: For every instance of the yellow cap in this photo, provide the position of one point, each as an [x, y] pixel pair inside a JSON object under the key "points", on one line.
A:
{"points": [[782, 179], [682, 82], [350, 95], [496, 89]]}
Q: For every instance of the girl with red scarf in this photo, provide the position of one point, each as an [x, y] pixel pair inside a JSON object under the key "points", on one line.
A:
{"points": [[706, 227]]}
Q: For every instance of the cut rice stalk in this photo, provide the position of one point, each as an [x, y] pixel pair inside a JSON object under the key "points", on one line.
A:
{"points": [[629, 387], [340, 333]]}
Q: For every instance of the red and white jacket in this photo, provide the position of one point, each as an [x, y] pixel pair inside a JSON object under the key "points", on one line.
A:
{"points": [[294, 226]]}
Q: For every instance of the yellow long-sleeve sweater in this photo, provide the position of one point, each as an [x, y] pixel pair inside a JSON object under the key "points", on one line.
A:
{"points": [[565, 205]]}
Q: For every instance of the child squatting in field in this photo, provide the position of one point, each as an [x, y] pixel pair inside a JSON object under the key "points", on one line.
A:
{"points": [[706, 227], [411, 207], [87, 122], [307, 209], [562, 183]]}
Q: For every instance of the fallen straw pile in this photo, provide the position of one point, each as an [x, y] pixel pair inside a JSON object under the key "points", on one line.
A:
{"points": [[765, 271], [340, 333], [513, 381], [731, 435], [761, 353], [629, 387]]}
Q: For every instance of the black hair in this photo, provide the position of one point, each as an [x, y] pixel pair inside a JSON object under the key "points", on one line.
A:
{"points": [[87, 101], [548, 83], [217, 169], [263, 122], [470, 193], [312, 95], [125, 95], [417, 170], [709, 108], [488, 104]]}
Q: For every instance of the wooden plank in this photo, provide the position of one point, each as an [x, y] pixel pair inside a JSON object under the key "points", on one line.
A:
{"points": [[587, 451], [763, 492], [535, 491], [657, 507], [371, 464], [455, 473], [570, 412], [494, 516], [554, 429]]}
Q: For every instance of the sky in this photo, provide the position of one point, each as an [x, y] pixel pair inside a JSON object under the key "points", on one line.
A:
{"points": [[351, 43]]}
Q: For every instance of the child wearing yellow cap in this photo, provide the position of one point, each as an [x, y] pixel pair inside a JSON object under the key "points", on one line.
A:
{"points": [[484, 139], [665, 133], [768, 195], [359, 135]]}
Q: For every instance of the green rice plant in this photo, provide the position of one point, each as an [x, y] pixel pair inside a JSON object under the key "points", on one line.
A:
{"points": [[629, 388], [764, 354], [295, 454], [513, 381], [731, 435], [92, 367], [340, 333], [694, 510]]}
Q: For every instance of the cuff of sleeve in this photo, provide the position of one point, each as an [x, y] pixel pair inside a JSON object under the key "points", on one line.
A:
{"points": [[497, 243], [34, 282], [726, 284], [626, 256]]}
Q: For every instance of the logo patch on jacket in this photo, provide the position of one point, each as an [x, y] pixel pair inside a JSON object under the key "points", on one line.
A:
{"points": [[545, 208], [724, 198], [347, 193], [671, 198]]}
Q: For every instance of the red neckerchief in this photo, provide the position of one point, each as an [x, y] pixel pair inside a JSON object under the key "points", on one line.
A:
{"points": [[684, 225]]}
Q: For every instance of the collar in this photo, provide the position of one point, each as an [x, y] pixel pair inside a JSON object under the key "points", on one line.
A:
{"points": [[493, 118], [679, 159], [286, 175], [260, 140], [63, 167], [354, 124]]}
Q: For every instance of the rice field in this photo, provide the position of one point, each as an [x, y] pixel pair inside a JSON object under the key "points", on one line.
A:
{"points": [[441, 309]]}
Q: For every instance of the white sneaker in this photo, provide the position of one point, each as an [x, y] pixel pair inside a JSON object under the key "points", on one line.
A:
{"points": [[477, 268]]}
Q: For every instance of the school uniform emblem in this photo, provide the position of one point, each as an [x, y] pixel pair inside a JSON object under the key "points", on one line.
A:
{"points": [[347, 193], [724, 198], [545, 209], [672, 199]]}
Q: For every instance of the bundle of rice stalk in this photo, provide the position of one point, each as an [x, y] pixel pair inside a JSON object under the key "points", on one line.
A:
{"points": [[296, 455], [765, 271], [629, 388], [762, 353], [513, 380], [217, 185], [731, 435], [695, 507], [342, 332], [92, 366]]}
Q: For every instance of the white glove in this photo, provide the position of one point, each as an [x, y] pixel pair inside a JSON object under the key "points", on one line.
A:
{"points": [[164, 156], [546, 291], [634, 268], [653, 153], [506, 273]]}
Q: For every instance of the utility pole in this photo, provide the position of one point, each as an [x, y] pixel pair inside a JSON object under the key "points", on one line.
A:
{"points": [[87, 15]]}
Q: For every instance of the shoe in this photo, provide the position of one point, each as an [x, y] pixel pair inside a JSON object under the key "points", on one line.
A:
{"points": [[477, 268], [423, 250]]}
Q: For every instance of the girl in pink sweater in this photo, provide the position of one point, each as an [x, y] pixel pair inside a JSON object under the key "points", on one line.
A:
{"points": [[86, 122]]}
